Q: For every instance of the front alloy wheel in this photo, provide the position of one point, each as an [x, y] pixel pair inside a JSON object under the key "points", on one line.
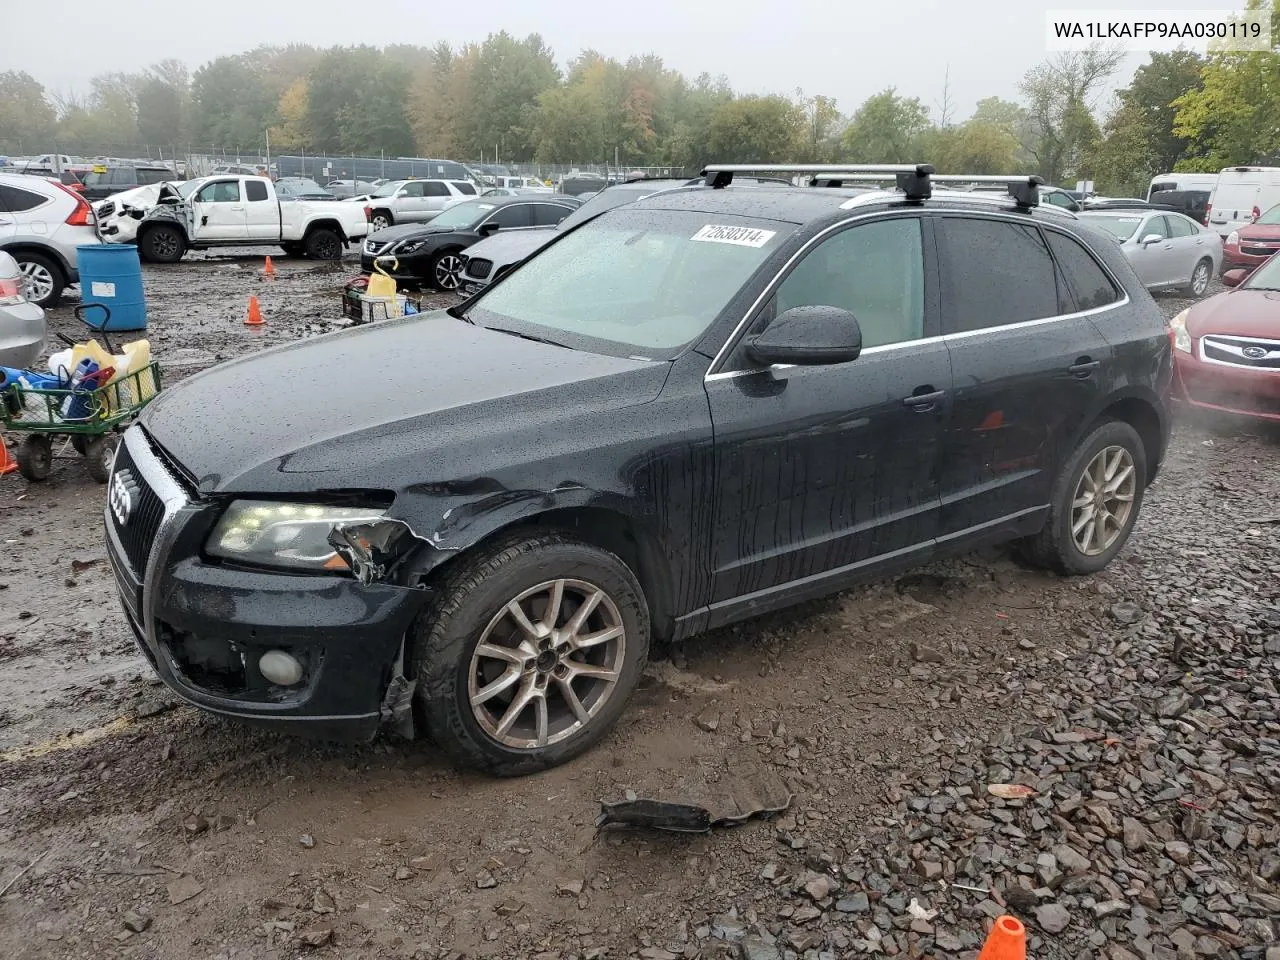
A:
{"points": [[1103, 501], [448, 271], [547, 663], [529, 652]]}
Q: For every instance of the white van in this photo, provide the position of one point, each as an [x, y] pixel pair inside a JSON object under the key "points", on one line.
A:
{"points": [[1241, 195], [1181, 181]]}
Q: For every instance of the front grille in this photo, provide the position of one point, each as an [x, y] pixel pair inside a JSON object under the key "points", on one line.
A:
{"points": [[106, 209], [138, 533], [479, 268], [1247, 352], [1259, 249]]}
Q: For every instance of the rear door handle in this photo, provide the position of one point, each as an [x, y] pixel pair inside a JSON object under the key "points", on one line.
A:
{"points": [[923, 402], [1084, 369]]}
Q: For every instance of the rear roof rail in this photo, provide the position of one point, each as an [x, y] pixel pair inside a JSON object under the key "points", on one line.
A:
{"points": [[915, 180]]}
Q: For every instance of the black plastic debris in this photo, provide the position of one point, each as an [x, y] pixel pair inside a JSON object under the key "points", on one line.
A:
{"points": [[726, 804]]}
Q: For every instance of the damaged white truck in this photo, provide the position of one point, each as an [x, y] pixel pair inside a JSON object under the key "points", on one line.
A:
{"points": [[224, 211]]}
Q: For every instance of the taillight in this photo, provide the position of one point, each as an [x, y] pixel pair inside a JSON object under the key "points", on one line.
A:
{"points": [[10, 292], [82, 215], [1256, 214], [368, 214], [1208, 208]]}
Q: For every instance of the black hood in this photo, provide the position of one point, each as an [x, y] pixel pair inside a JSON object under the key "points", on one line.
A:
{"points": [[422, 399], [408, 231]]}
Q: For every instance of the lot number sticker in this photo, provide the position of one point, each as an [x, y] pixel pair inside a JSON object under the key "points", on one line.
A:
{"points": [[738, 236]]}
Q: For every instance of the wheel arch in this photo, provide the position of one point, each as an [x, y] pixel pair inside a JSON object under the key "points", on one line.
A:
{"points": [[629, 538], [146, 227], [28, 246], [1143, 413], [325, 224]]}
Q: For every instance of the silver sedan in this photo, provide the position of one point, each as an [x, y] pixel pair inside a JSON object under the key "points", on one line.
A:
{"points": [[1167, 250], [22, 326]]}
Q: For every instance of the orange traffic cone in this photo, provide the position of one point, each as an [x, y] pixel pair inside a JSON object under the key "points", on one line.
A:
{"points": [[255, 314], [269, 269], [1006, 941], [7, 463]]}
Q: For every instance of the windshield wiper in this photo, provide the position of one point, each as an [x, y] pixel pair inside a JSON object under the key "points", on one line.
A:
{"points": [[530, 336], [457, 314]]}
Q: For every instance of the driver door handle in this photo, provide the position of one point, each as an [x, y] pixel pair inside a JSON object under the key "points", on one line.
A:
{"points": [[923, 399], [1083, 369]]}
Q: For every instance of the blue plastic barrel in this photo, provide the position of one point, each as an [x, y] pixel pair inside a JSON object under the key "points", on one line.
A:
{"points": [[110, 274]]}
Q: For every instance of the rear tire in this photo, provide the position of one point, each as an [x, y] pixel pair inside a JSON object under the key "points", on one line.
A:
{"points": [[1075, 540], [44, 278], [323, 244], [1200, 276], [162, 244], [35, 457], [474, 605]]}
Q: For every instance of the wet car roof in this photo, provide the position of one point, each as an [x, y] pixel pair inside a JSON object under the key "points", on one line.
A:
{"points": [[786, 204]]}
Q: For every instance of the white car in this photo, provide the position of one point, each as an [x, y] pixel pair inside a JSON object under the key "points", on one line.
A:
{"points": [[415, 201], [42, 222], [120, 214]]}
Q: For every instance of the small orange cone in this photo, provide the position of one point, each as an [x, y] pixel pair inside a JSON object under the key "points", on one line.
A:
{"points": [[1006, 941], [7, 463], [269, 270], [255, 314]]}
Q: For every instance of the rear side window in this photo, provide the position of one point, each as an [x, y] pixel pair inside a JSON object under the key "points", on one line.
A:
{"points": [[255, 190], [465, 187], [433, 188], [994, 273], [155, 176], [16, 200], [1087, 281], [548, 214], [511, 217]]}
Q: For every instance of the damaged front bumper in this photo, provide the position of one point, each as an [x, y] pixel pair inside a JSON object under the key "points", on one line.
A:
{"points": [[205, 626]]}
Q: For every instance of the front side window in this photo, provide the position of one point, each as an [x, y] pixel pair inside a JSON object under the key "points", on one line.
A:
{"points": [[633, 282], [875, 271], [1088, 282], [415, 188], [1154, 227], [994, 273], [1179, 227], [221, 191]]}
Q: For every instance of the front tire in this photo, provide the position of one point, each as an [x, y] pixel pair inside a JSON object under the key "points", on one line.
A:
{"points": [[446, 270], [1199, 281], [323, 244], [163, 244], [380, 220], [530, 654], [1095, 502]]}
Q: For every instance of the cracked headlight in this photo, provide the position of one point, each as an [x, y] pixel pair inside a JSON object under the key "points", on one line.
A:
{"points": [[291, 535], [1181, 338]]}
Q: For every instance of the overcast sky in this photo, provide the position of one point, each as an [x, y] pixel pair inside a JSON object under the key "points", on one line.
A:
{"points": [[841, 49]]}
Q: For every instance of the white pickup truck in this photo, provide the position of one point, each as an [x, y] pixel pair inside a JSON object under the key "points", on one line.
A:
{"points": [[228, 211]]}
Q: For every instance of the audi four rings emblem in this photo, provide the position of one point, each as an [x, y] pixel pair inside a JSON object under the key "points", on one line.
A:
{"points": [[121, 496], [1254, 353]]}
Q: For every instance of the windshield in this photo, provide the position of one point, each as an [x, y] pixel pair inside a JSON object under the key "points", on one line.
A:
{"points": [[389, 189], [1122, 228], [462, 215], [633, 282], [605, 200], [1267, 276], [1271, 217]]}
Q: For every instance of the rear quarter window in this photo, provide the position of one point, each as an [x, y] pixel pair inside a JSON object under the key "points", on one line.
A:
{"points": [[465, 187], [1086, 280], [16, 200]]}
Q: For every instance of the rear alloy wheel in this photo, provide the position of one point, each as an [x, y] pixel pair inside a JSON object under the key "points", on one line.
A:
{"points": [[1199, 282], [323, 244], [446, 271], [43, 279], [530, 654], [1095, 502]]}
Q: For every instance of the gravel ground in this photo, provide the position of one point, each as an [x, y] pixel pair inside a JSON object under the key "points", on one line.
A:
{"points": [[1140, 707]]}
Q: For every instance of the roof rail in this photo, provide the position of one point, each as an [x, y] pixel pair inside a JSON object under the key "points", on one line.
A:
{"points": [[911, 178], [1022, 187]]}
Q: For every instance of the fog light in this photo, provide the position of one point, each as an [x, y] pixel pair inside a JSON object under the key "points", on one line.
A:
{"points": [[280, 668]]}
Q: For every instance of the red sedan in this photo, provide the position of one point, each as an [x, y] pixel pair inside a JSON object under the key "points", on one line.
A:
{"points": [[1250, 246], [1226, 350]]}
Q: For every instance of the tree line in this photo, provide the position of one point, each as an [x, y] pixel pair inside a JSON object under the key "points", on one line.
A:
{"points": [[507, 97]]}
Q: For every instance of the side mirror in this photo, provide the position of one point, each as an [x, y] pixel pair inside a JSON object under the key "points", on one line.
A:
{"points": [[1233, 278], [808, 336], [487, 229], [1151, 238]]}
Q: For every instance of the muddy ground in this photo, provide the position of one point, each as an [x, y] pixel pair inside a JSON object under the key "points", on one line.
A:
{"points": [[1141, 704]]}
